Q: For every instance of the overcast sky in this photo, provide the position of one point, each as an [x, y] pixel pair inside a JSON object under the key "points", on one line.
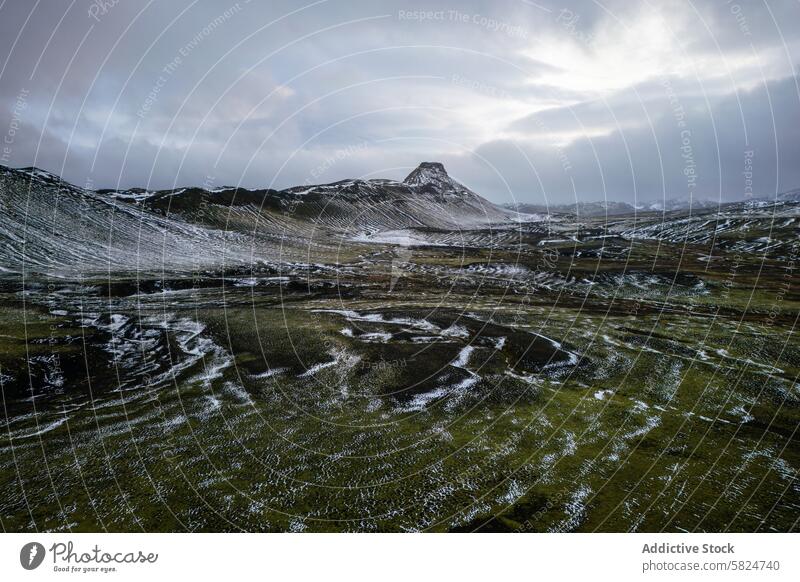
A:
{"points": [[533, 101]]}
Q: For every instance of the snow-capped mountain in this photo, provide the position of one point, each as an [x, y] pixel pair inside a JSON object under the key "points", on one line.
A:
{"points": [[580, 209], [614, 208], [431, 176], [790, 196], [685, 203], [53, 226], [427, 198]]}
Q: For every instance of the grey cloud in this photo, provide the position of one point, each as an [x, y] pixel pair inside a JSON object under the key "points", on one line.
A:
{"points": [[396, 91], [648, 162]]}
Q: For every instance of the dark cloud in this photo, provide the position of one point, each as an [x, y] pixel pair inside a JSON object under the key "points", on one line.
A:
{"points": [[518, 99]]}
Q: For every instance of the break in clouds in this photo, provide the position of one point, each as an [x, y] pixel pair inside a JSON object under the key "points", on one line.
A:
{"points": [[522, 101]]}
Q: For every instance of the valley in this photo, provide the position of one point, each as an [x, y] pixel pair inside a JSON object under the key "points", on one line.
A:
{"points": [[393, 356]]}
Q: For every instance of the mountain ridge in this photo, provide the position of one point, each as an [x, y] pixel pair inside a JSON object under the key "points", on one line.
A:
{"points": [[49, 225], [427, 176]]}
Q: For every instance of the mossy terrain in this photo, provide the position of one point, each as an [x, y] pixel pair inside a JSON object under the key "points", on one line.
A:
{"points": [[594, 386]]}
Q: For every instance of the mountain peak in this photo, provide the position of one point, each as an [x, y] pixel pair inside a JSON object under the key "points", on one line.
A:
{"points": [[438, 166], [426, 173], [433, 178]]}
